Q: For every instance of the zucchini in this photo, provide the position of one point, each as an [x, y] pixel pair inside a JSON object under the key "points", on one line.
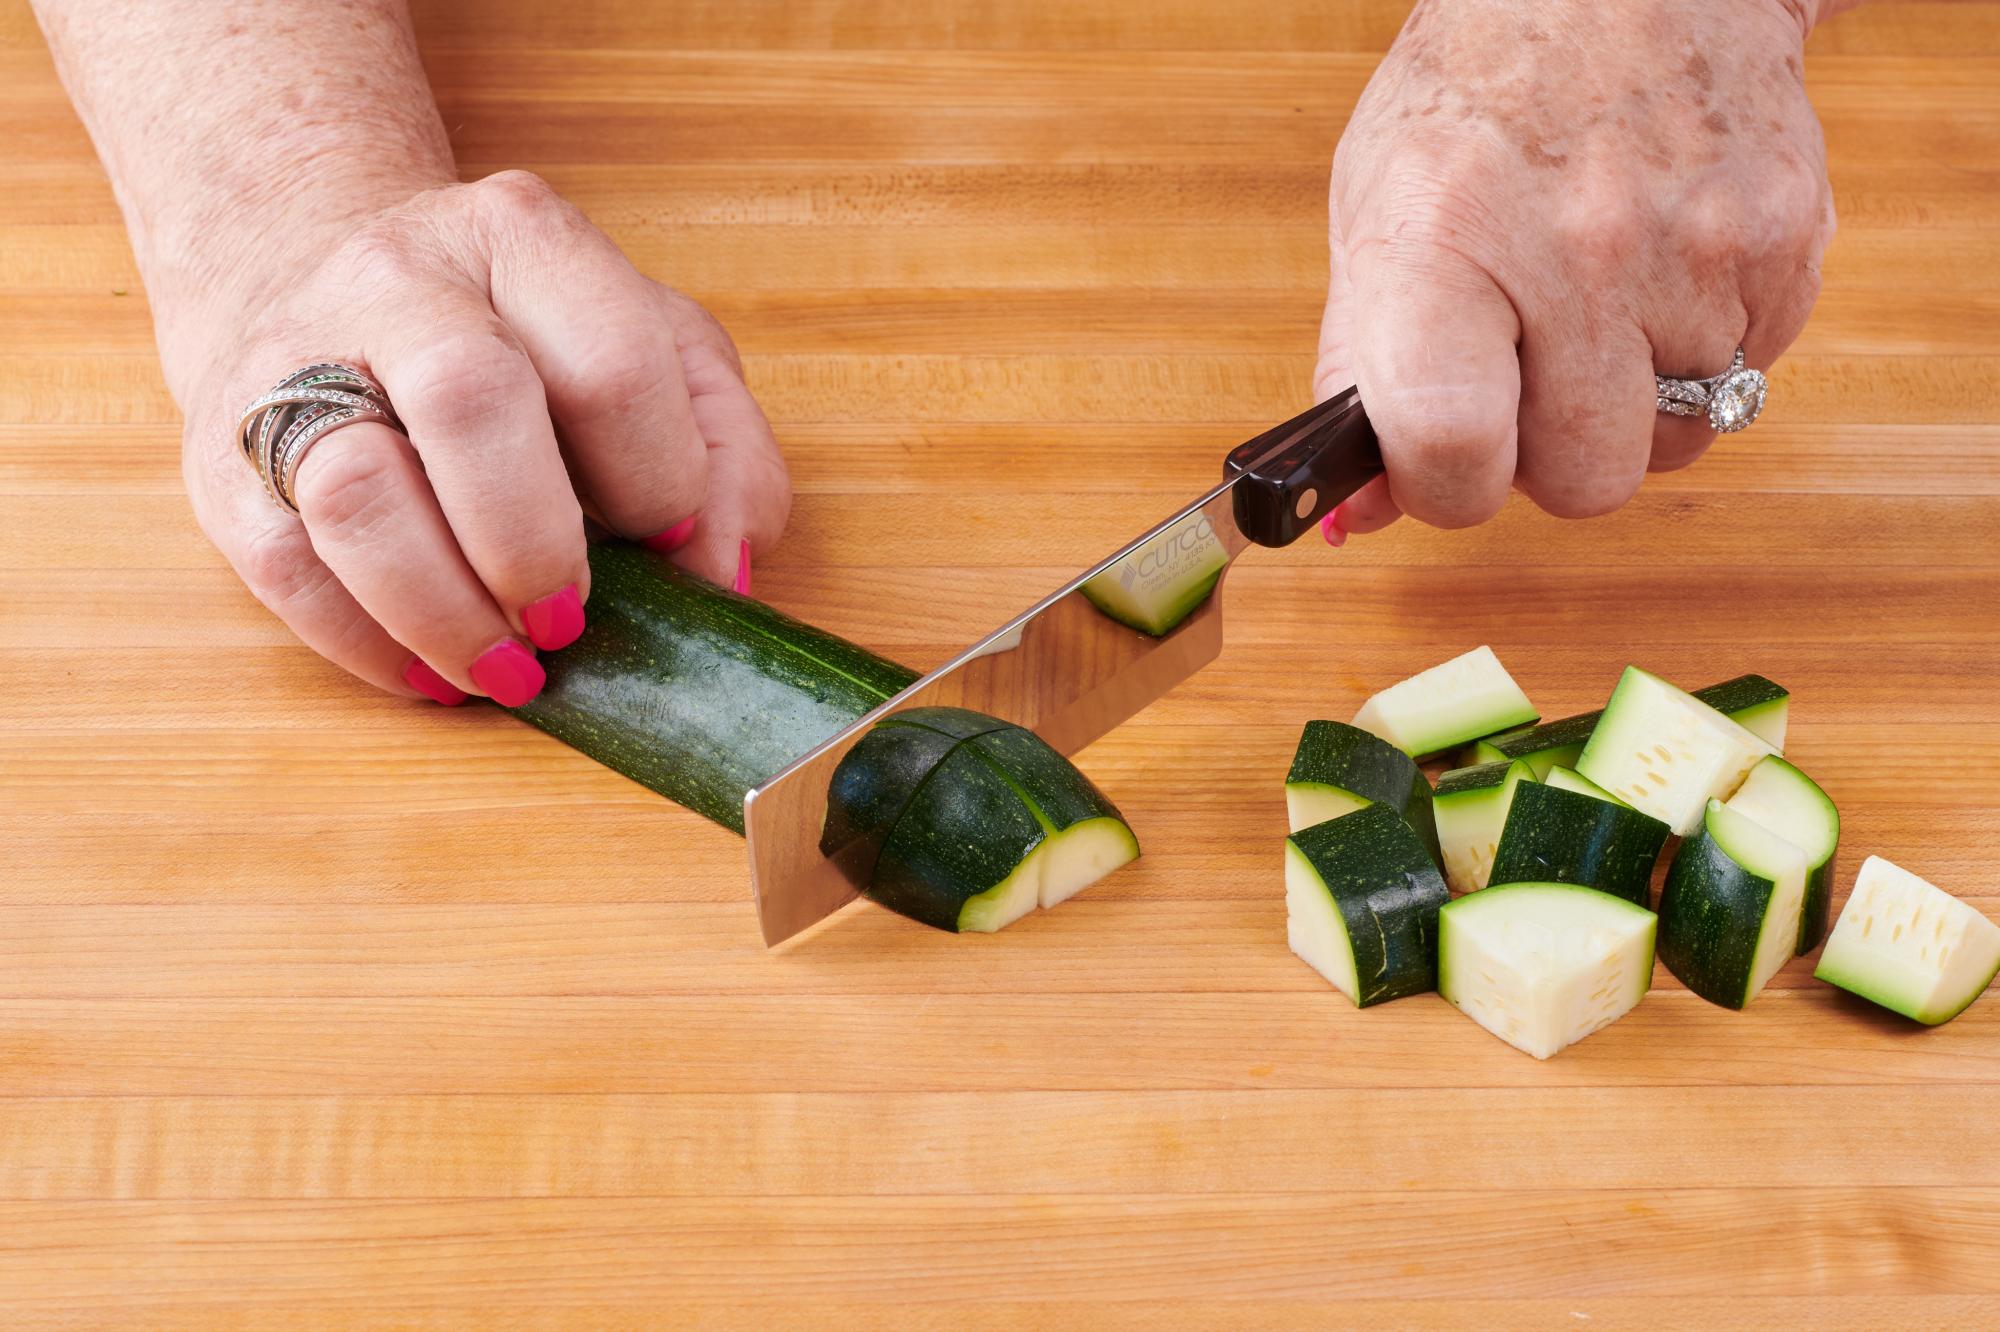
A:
{"points": [[1569, 779], [1339, 768], [698, 693], [1910, 946], [1751, 701], [1002, 825], [1729, 912], [954, 818], [1666, 752], [1790, 804], [1470, 806], [1463, 699], [1361, 904], [1542, 965], [1558, 836], [1163, 582], [1543, 748]]}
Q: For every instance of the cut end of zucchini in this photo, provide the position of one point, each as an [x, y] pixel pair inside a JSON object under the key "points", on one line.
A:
{"points": [[1569, 779], [1766, 854], [1006, 901], [1463, 699], [1780, 797], [1307, 803], [1543, 965], [1080, 855], [1470, 807], [1313, 924], [1665, 752], [1910, 946]]}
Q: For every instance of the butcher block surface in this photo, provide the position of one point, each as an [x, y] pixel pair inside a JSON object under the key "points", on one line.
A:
{"points": [[323, 1009]]}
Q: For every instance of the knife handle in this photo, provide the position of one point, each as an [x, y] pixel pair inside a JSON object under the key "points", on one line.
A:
{"points": [[1291, 476]]}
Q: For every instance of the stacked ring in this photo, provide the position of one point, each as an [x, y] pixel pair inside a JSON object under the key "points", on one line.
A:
{"points": [[281, 426]]}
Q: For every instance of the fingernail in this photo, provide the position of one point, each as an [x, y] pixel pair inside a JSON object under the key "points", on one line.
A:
{"points": [[419, 676], [673, 538], [556, 620], [1330, 528], [509, 673], [743, 569]]}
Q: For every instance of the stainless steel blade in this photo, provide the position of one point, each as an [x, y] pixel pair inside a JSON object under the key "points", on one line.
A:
{"points": [[1063, 668]]}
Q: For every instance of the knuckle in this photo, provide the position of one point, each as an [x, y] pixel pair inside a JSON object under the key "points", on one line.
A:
{"points": [[278, 566], [347, 486], [1605, 230], [462, 376], [1581, 497], [1443, 444], [515, 194]]}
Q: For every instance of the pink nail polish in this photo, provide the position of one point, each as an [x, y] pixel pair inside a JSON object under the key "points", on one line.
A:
{"points": [[556, 620], [743, 569], [1330, 528], [419, 676], [673, 538], [509, 673]]}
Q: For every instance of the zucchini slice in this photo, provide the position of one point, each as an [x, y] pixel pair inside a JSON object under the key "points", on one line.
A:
{"points": [[1542, 965], [1463, 699], [1729, 913], [1543, 748], [1361, 904], [1162, 583], [1761, 707], [1339, 768], [1470, 806], [1558, 836], [1666, 752], [1001, 825], [1790, 804], [1910, 946], [1752, 702], [875, 781], [1569, 779]]}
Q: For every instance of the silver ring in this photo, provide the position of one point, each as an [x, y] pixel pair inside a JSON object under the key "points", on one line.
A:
{"points": [[276, 431], [1730, 400]]}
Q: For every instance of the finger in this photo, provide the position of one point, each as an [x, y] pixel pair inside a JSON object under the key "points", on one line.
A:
{"points": [[1369, 509], [473, 405], [376, 524], [1434, 358], [749, 490], [601, 338], [1586, 424], [271, 553]]}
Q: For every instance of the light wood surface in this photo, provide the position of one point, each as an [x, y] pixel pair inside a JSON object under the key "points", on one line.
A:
{"points": [[319, 1009]]}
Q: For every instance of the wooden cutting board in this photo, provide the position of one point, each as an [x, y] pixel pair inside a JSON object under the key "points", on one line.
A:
{"points": [[319, 1009]]}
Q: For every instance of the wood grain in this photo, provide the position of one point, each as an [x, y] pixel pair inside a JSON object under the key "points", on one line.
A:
{"points": [[473, 1034]]}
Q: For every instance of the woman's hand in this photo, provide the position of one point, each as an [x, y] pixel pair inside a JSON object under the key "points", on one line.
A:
{"points": [[538, 375], [1536, 207]]}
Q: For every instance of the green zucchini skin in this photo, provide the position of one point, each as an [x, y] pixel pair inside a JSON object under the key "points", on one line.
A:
{"points": [[696, 692], [1388, 892], [1050, 783], [965, 830], [1332, 753], [1552, 744], [1711, 913], [871, 788], [1558, 836]]}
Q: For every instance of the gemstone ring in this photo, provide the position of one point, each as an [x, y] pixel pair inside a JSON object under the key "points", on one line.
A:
{"points": [[1730, 400], [299, 410]]}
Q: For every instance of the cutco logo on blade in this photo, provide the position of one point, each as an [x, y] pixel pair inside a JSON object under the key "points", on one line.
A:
{"points": [[1173, 550]]}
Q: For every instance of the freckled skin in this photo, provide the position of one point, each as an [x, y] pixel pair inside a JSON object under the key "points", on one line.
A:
{"points": [[1584, 183]]}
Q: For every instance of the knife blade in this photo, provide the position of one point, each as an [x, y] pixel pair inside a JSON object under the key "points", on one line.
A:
{"points": [[1089, 655]]}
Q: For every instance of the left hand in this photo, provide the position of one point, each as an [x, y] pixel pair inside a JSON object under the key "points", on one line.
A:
{"points": [[1533, 209]]}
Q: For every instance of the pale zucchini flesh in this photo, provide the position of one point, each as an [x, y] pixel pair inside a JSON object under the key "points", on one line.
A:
{"points": [[1667, 753], [1542, 966], [1910, 946], [1780, 797], [1463, 699], [1470, 808], [1569, 779]]}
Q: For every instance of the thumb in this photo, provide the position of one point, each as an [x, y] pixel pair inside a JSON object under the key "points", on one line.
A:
{"points": [[1433, 343]]}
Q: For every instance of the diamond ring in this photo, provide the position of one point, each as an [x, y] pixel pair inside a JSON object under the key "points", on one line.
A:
{"points": [[301, 409], [1730, 400]]}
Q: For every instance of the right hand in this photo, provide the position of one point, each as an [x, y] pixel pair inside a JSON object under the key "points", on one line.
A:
{"points": [[535, 370]]}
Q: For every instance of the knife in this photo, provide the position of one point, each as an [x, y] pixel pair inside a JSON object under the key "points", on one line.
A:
{"points": [[1088, 655]]}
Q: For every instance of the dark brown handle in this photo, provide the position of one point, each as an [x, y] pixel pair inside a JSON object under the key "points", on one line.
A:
{"points": [[1292, 475]]}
